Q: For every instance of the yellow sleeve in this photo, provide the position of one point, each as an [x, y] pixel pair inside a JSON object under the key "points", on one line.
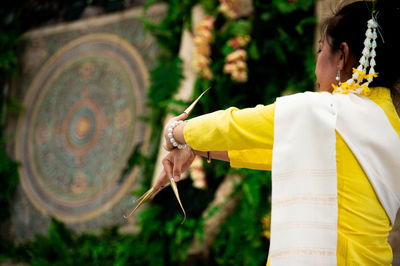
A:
{"points": [[258, 159], [246, 134]]}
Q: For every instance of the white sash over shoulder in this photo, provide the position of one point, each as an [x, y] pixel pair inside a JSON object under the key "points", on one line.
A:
{"points": [[304, 176]]}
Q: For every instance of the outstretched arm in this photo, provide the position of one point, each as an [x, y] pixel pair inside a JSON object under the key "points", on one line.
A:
{"points": [[230, 129]]}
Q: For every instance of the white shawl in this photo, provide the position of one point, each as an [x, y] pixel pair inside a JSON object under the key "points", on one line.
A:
{"points": [[304, 177]]}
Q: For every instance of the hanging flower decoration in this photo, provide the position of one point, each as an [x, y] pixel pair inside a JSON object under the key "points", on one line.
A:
{"points": [[197, 173], [360, 80], [235, 62], [239, 41], [202, 51], [266, 224], [228, 9]]}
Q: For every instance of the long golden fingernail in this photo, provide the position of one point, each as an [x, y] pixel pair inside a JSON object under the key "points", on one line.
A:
{"points": [[175, 189], [144, 195], [191, 107], [142, 199]]}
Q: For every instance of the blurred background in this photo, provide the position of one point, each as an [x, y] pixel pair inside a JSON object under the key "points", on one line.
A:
{"points": [[86, 86]]}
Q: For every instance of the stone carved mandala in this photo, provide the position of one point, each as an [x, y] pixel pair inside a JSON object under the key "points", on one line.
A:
{"points": [[80, 126]]}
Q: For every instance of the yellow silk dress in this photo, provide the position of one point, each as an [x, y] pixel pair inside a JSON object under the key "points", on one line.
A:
{"points": [[248, 134]]}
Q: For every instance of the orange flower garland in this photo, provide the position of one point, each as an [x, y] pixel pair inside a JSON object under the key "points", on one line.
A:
{"points": [[236, 61], [202, 39], [227, 8], [197, 173], [266, 224]]}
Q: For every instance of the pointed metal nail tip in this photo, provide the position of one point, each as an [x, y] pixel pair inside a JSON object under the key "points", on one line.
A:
{"points": [[175, 189], [144, 195], [142, 199], [191, 107]]}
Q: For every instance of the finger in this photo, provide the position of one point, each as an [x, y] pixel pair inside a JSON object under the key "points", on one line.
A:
{"points": [[179, 161], [182, 162], [167, 146], [167, 167], [161, 181], [182, 116], [177, 170]]}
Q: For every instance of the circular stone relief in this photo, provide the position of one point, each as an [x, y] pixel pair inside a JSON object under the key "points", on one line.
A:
{"points": [[81, 125]]}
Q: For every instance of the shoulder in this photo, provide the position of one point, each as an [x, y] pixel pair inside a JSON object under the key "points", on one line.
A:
{"points": [[306, 102], [306, 98]]}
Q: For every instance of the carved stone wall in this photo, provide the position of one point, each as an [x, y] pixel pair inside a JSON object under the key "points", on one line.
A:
{"points": [[84, 87]]}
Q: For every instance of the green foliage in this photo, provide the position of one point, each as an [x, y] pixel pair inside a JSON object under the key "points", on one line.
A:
{"points": [[8, 182], [10, 34], [165, 80], [8, 58], [286, 7], [240, 241], [169, 30]]}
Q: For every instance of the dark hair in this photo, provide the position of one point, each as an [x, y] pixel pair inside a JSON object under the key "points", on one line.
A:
{"points": [[349, 25]]}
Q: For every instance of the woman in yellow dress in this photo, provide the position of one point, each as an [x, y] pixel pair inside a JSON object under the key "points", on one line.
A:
{"points": [[247, 138]]}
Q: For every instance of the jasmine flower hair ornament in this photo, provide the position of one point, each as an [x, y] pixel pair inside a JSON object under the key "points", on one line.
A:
{"points": [[360, 80]]}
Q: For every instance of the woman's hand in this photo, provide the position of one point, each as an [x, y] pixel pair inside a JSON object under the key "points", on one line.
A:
{"points": [[167, 143], [175, 163]]}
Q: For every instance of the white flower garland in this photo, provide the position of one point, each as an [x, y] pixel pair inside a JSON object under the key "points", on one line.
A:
{"points": [[360, 80]]}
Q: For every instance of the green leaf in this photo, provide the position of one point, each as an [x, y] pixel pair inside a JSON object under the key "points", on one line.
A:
{"points": [[165, 80], [227, 49], [284, 6], [240, 27], [253, 51], [303, 22]]}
